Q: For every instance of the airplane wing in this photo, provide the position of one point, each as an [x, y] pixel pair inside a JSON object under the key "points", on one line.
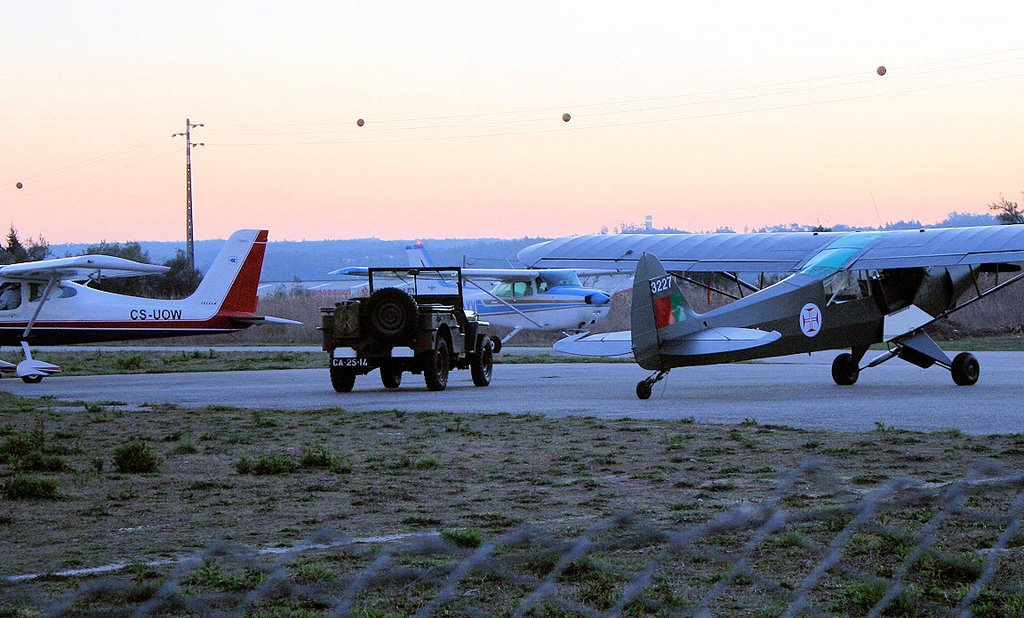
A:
{"points": [[785, 251], [80, 268], [618, 343], [761, 252]]}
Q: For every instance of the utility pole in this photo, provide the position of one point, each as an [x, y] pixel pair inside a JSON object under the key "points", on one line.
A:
{"points": [[190, 251]]}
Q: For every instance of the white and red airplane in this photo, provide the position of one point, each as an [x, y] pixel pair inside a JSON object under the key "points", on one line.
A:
{"points": [[49, 302]]}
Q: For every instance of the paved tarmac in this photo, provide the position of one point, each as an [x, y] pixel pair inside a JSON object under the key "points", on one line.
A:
{"points": [[796, 391]]}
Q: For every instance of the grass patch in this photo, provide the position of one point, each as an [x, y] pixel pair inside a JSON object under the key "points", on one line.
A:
{"points": [[30, 487], [136, 457]]}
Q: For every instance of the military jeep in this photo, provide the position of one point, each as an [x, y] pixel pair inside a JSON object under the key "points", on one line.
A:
{"points": [[413, 320]]}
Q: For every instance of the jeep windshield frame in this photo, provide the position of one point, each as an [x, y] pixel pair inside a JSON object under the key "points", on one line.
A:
{"points": [[439, 284]]}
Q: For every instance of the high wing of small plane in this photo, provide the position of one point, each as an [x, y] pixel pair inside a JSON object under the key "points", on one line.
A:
{"points": [[840, 290], [46, 303], [522, 298]]}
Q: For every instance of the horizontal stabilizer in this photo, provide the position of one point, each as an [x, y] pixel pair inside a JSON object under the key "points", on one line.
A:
{"points": [[617, 343], [719, 340]]}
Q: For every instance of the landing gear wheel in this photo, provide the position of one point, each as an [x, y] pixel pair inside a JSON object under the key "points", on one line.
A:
{"points": [[965, 369], [342, 379], [644, 389], [390, 377], [482, 364], [390, 316], [844, 370], [38, 379], [435, 369]]}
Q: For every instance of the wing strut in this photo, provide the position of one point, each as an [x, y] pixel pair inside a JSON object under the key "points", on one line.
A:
{"points": [[31, 370], [39, 307]]}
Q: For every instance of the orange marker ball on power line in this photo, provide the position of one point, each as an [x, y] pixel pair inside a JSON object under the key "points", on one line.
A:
{"points": [[566, 117], [360, 122], [880, 70]]}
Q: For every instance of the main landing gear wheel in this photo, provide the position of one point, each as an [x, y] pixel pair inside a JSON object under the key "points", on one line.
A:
{"points": [[845, 370], [342, 379], [435, 370], [965, 369], [390, 377], [37, 379]]}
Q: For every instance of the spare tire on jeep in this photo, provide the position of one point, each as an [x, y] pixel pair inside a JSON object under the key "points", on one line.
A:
{"points": [[390, 315]]}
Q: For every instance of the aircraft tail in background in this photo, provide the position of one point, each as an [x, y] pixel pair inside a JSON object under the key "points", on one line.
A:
{"points": [[418, 256]]}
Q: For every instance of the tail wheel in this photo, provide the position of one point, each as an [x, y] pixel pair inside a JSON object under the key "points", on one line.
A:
{"points": [[845, 370], [965, 369], [435, 370], [390, 316], [482, 365], [644, 389], [342, 379], [390, 377]]}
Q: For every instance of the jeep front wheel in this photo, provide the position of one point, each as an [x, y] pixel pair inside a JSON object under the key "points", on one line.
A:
{"points": [[482, 363], [435, 369]]}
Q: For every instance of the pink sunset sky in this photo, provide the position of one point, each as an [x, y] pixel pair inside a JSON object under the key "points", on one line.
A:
{"points": [[738, 114]]}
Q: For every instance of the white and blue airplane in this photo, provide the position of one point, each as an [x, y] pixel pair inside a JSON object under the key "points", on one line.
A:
{"points": [[522, 298]]}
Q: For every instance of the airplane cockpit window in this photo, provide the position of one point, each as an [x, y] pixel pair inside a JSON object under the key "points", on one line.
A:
{"points": [[514, 289], [542, 285], [846, 285], [10, 296]]}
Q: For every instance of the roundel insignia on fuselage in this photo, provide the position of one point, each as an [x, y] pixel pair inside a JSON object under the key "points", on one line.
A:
{"points": [[810, 319]]}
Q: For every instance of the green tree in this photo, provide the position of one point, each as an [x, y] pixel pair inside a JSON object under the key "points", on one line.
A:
{"points": [[15, 252], [180, 281], [1006, 211], [135, 286]]}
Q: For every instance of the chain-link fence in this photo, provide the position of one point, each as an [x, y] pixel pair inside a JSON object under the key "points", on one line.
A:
{"points": [[818, 545]]}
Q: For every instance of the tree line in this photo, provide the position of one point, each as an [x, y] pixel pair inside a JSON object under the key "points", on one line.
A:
{"points": [[180, 281]]}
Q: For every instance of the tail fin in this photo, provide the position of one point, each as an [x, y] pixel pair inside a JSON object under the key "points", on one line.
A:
{"points": [[230, 283], [659, 311], [417, 254]]}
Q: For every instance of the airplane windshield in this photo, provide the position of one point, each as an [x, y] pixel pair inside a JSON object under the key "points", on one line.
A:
{"points": [[555, 278], [10, 296]]}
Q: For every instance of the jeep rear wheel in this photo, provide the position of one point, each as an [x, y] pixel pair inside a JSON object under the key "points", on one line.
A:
{"points": [[435, 369], [342, 379], [390, 316]]}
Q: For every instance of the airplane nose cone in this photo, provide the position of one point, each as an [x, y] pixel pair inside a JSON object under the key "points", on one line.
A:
{"points": [[598, 298]]}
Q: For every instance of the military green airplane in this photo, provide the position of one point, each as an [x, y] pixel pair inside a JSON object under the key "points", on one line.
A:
{"points": [[839, 290]]}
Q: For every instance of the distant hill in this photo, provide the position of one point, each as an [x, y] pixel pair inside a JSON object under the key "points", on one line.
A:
{"points": [[288, 260]]}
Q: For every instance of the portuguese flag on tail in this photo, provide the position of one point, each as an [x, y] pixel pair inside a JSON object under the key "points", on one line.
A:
{"points": [[669, 309]]}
